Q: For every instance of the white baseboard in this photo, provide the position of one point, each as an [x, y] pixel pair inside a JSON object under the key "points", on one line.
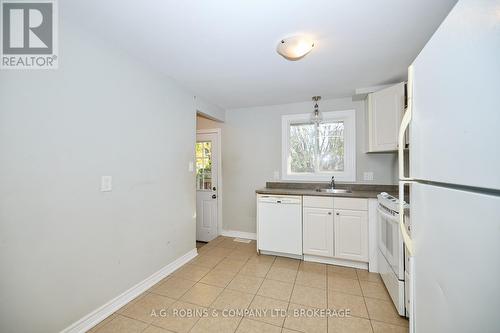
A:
{"points": [[281, 254], [239, 234], [336, 261], [98, 315]]}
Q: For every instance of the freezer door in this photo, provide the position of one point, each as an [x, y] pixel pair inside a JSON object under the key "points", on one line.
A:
{"points": [[455, 126], [456, 263]]}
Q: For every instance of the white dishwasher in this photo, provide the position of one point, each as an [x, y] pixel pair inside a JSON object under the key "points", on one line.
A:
{"points": [[279, 224]]}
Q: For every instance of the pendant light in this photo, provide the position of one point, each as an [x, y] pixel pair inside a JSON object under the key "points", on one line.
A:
{"points": [[316, 117]]}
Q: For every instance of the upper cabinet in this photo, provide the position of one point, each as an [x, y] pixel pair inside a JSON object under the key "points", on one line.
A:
{"points": [[385, 111]]}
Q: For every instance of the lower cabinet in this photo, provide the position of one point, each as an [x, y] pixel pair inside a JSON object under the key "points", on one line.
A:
{"points": [[318, 231], [335, 228], [351, 234]]}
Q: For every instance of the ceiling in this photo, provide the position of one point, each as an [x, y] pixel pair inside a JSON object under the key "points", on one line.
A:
{"points": [[225, 51]]}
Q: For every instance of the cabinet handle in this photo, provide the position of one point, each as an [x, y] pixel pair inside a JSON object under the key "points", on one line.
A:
{"points": [[329, 213], [337, 213]]}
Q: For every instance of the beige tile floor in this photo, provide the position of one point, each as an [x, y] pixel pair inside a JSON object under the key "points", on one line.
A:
{"points": [[230, 275]]}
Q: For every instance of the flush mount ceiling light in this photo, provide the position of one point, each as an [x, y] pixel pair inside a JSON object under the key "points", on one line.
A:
{"points": [[295, 47]]}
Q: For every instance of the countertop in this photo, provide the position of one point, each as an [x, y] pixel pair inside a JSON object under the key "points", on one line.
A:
{"points": [[301, 189]]}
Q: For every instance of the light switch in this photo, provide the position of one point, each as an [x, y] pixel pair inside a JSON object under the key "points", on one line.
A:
{"points": [[106, 183], [368, 175], [191, 167]]}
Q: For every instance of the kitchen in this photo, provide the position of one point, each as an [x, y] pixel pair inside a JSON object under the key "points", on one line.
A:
{"points": [[250, 166], [363, 226], [346, 224]]}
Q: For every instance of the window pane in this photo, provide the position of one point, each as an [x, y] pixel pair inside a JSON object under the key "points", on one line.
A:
{"points": [[302, 144], [331, 146], [204, 165]]}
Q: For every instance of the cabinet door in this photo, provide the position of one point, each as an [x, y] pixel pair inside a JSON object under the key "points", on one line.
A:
{"points": [[318, 231], [385, 111], [351, 234]]}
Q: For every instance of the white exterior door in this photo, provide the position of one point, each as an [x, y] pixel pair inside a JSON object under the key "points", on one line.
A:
{"points": [[206, 186], [351, 234], [318, 231]]}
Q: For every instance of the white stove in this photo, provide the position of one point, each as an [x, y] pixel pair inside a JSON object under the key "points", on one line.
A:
{"points": [[390, 202], [391, 252]]}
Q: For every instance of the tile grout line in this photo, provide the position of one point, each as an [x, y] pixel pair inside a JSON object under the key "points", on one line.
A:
{"points": [[245, 258], [291, 294], [327, 298], [132, 302], [224, 288], [364, 302], [196, 282], [226, 257], [239, 323], [255, 295]]}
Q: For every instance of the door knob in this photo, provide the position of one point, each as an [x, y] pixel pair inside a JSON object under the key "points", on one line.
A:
{"points": [[214, 196]]}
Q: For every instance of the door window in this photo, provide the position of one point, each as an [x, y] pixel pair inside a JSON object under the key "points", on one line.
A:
{"points": [[204, 165]]}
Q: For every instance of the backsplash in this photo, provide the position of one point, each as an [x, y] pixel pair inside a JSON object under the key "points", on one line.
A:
{"points": [[315, 185]]}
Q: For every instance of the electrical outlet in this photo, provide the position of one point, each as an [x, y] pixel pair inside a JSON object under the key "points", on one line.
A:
{"points": [[191, 167], [368, 175], [276, 175], [106, 183]]}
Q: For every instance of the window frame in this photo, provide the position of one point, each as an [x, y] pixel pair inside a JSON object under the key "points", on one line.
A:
{"points": [[349, 173]]}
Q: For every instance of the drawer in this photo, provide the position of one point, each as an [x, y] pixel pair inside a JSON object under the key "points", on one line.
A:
{"points": [[318, 202], [351, 203]]}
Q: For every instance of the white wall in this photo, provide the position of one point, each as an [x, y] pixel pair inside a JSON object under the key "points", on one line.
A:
{"points": [[209, 110], [65, 247], [251, 149]]}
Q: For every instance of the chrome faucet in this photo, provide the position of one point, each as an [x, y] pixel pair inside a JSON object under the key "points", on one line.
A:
{"points": [[332, 182]]}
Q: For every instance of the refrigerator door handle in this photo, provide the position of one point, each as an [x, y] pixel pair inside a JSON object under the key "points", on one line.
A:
{"points": [[406, 238], [405, 122]]}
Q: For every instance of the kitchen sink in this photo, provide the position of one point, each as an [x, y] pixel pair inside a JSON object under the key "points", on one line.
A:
{"points": [[333, 190]]}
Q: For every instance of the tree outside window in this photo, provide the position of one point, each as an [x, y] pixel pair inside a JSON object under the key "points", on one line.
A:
{"points": [[318, 151]]}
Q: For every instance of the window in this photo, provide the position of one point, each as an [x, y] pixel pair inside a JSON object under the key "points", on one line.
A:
{"points": [[204, 165], [318, 152]]}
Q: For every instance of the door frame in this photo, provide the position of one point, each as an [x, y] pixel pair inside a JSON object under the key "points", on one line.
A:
{"points": [[216, 131]]}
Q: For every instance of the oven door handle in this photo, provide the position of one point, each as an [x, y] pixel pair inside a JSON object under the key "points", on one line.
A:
{"points": [[391, 218]]}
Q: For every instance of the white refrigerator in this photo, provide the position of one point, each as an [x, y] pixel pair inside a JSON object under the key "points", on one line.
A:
{"points": [[453, 181]]}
